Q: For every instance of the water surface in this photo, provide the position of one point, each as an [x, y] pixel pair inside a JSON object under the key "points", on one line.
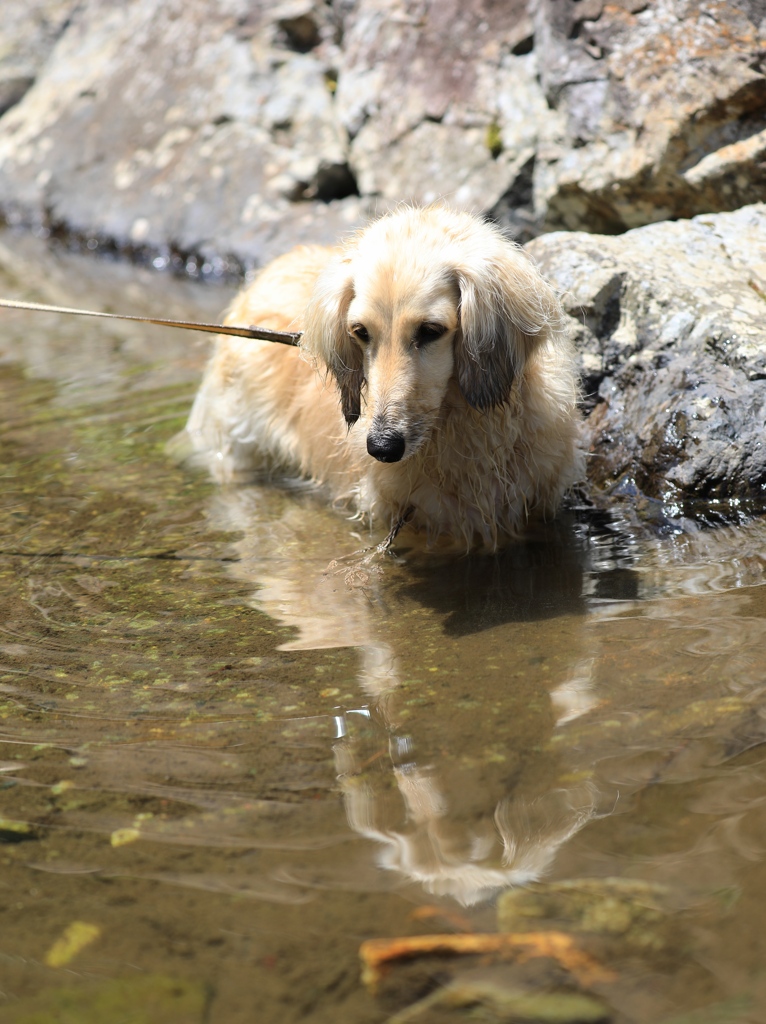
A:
{"points": [[231, 749]]}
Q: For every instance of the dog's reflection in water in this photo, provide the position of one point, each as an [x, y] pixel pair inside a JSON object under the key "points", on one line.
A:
{"points": [[470, 856], [443, 777]]}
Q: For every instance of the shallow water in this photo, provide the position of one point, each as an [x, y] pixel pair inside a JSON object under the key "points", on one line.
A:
{"points": [[232, 749]]}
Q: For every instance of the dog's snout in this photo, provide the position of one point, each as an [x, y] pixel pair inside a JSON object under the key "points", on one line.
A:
{"points": [[386, 445]]}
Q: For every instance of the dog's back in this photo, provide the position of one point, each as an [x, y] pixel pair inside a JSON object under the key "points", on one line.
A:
{"points": [[261, 406], [280, 292]]}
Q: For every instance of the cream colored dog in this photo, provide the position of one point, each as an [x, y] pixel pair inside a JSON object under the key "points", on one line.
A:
{"points": [[451, 393]]}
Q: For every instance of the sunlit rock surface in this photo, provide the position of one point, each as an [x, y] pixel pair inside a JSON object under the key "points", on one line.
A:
{"points": [[182, 125], [664, 104], [670, 322], [231, 131], [28, 33]]}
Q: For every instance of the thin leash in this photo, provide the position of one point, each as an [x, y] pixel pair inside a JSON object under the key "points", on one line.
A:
{"points": [[257, 333], [292, 338]]}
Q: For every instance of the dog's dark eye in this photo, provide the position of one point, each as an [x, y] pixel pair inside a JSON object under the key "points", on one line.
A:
{"points": [[360, 332], [428, 332]]}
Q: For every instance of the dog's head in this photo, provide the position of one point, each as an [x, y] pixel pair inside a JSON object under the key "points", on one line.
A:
{"points": [[419, 299]]}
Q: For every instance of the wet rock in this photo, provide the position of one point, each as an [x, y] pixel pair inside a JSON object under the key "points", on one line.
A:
{"points": [[76, 937], [463, 1000], [631, 914], [670, 323], [12, 831], [150, 999]]}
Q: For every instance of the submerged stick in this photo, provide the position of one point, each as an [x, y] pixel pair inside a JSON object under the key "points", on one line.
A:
{"points": [[377, 954], [258, 333]]}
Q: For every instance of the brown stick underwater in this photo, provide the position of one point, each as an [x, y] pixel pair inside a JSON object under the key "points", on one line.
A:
{"points": [[258, 333]]}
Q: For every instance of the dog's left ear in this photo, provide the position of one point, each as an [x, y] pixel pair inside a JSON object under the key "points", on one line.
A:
{"points": [[326, 335], [506, 310]]}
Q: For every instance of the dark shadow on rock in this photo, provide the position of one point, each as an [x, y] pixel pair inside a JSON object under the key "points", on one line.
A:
{"points": [[332, 181], [12, 90], [514, 210]]}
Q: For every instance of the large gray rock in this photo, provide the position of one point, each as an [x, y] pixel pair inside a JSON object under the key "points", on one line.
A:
{"points": [[245, 127], [238, 128], [436, 103], [182, 124], [670, 322]]}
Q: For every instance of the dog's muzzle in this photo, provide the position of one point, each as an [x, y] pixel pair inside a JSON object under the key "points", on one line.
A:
{"points": [[386, 445]]}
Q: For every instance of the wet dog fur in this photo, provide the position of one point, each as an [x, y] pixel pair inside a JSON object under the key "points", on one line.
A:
{"points": [[434, 379]]}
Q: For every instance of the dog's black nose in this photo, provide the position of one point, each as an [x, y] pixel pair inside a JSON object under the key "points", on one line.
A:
{"points": [[386, 445]]}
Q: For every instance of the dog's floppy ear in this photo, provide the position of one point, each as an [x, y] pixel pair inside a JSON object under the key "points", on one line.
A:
{"points": [[326, 335], [506, 310]]}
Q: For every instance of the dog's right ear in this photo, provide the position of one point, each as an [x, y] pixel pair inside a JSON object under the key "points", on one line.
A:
{"points": [[326, 335], [506, 311]]}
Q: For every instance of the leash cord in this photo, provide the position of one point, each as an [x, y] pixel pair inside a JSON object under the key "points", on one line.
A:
{"points": [[258, 333]]}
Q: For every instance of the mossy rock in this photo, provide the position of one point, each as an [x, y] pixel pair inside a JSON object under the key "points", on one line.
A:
{"points": [[144, 999], [632, 914]]}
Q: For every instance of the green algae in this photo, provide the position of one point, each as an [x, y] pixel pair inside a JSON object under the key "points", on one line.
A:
{"points": [[730, 1011], [495, 1003], [493, 140], [633, 914], [144, 999]]}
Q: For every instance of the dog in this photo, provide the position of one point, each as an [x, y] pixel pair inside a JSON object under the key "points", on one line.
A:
{"points": [[434, 383]]}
